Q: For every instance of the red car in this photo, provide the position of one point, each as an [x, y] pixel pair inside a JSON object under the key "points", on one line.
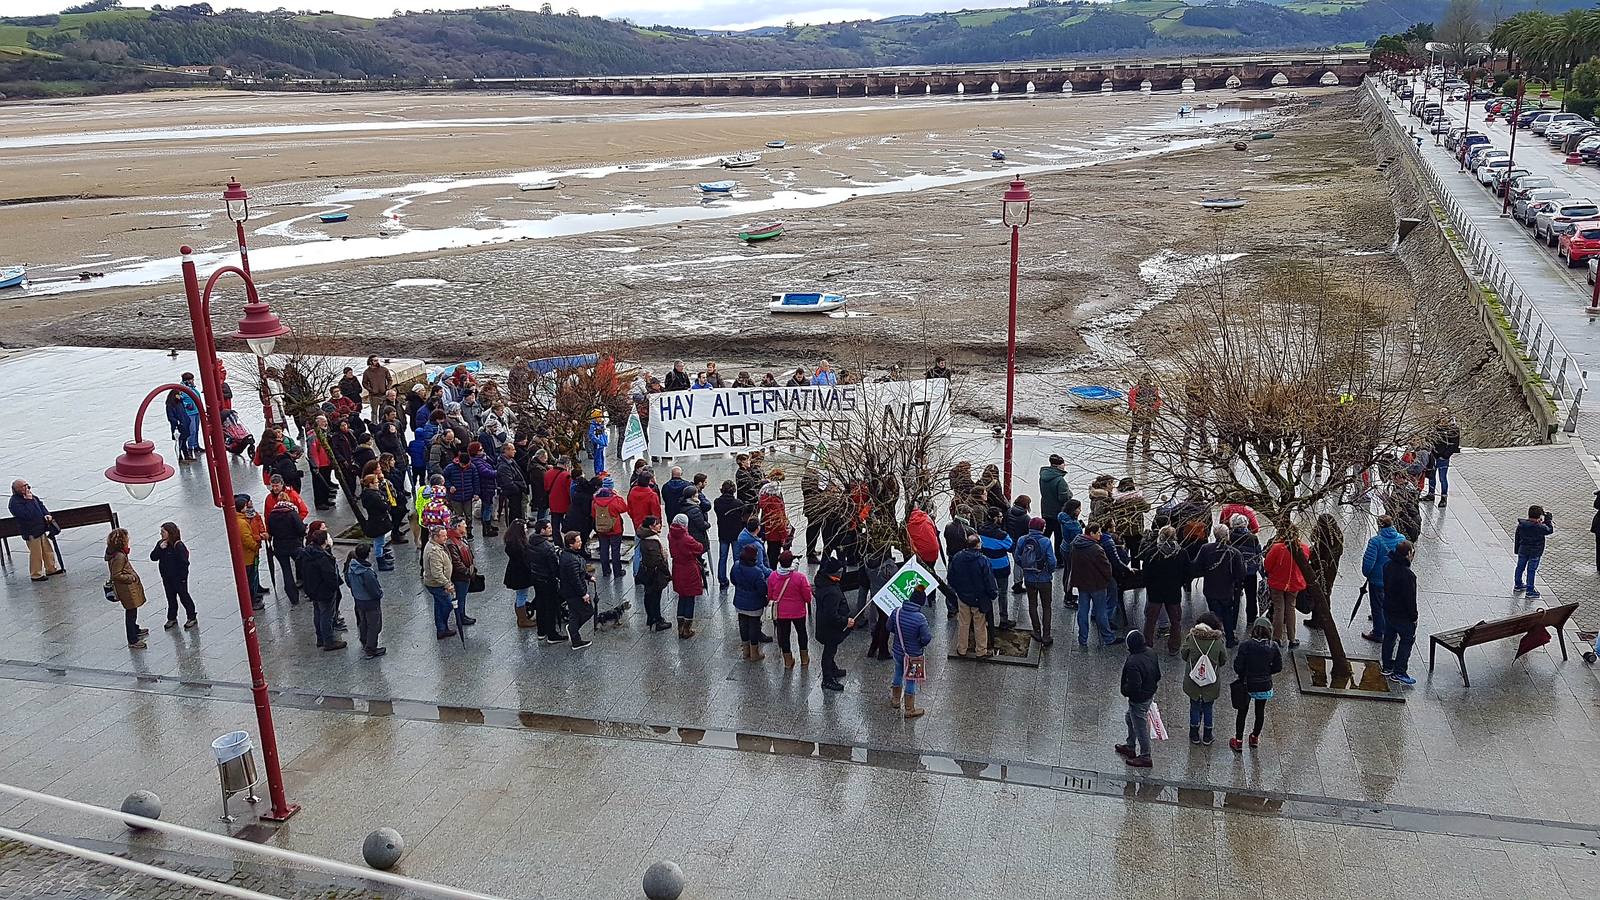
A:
{"points": [[1580, 243]]}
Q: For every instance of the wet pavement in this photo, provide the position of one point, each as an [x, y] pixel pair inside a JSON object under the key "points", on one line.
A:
{"points": [[588, 757]]}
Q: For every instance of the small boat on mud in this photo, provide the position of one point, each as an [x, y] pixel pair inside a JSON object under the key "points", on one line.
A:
{"points": [[751, 234], [998, 155], [740, 161], [1094, 396], [391, 226], [776, 145], [330, 218], [539, 186], [1224, 203], [13, 276], [717, 187], [804, 302]]}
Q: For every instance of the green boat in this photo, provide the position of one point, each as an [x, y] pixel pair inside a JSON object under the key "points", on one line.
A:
{"points": [[756, 233]]}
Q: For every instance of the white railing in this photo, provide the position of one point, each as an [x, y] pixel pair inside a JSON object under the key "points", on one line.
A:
{"points": [[286, 857], [1544, 352]]}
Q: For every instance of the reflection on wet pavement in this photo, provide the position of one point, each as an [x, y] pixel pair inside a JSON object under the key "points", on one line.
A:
{"points": [[1188, 795]]}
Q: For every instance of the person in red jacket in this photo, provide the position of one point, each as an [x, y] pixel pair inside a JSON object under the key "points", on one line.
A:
{"points": [[644, 500], [558, 487], [278, 492], [1285, 581], [687, 579], [924, 537], [609, 510], [775, 528]]}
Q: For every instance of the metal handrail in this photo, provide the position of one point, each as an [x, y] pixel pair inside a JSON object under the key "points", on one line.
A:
{"points": [[276, 853], [1540, 343]]}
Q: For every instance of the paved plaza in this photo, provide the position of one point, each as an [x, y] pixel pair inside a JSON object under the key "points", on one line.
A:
{"points": [[523, 770]]}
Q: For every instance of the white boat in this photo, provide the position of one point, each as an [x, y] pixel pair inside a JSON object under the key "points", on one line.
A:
{"points": [[806, 302], [717, 187], [1224, 202], [13, 276], [539, 186], [776, 145], [741, 161], [391, 226]]}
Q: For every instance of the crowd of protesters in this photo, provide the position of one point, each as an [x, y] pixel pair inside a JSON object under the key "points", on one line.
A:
{"points": [[447, 463]]}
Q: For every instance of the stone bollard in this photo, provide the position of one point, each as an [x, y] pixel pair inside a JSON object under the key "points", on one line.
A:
{"points": [[383, 848], [143, 804], [663, 881]]}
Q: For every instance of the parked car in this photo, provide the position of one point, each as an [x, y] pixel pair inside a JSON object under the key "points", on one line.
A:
{"points": [[1557, 132], [1500, 180], [1576, 136], [1452, 138], [1580, 244], [1471, 142], [1528, 115], [1482, 94], [1487, 169], [1594, 263], [1543, 121], [1523, 210], [1525, 183], [1550, 224]]}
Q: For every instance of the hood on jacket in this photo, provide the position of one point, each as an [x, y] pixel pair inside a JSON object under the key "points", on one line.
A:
{"points": [[357, 565], [1204, 632], [1083, 540]]}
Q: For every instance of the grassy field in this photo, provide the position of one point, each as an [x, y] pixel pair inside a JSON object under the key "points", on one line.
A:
{"points": [[71, 23]]}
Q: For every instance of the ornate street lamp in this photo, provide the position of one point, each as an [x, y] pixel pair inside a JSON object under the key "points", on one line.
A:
{"points": [[237, 201], [140, 468], [1016, 207]]}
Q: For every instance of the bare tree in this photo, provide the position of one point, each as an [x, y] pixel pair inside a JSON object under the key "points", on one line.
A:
{"points": [[1286, 399], [1461, 29], [555, 407]]}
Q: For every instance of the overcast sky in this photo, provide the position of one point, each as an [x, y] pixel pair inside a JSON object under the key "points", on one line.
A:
{"points": [[690, 13]]}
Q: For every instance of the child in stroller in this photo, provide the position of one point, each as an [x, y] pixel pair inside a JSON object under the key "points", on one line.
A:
{"points": [[238, 440]]}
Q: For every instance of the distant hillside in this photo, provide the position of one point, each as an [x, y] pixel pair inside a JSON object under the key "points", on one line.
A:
{"points": [[116, 49]]}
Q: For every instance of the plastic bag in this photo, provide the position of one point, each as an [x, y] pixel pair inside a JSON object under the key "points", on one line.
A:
{"points": [[1158, 729]]}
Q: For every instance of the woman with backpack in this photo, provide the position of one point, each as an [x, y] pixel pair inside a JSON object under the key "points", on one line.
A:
{"points": [[171, 557], [1255, 662], [1202, 681], [789, 591], [608, 509]]}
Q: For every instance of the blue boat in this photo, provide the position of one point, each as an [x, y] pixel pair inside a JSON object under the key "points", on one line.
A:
{"points": [[999, 155], [1094, 396], [562, 363], [13, 276], [718, 187], [804, 302], [331, 217], [473, 367]]}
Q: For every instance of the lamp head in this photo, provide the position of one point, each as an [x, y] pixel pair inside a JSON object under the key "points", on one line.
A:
{"points": [[237, 201], [1016, 205], [139, 468], [260, 328]]}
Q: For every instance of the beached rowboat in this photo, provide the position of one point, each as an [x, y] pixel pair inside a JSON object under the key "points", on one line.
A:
{"points": [[998, 155], [717, 187], [539, 186], [741, 161], [1094, 396], [753, 233], [1224, 202], [776, 145], [333, 217], [802, 302], [13, 276]]}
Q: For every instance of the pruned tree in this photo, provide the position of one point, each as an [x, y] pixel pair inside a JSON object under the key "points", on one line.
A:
{"points": [[1286, 398]]}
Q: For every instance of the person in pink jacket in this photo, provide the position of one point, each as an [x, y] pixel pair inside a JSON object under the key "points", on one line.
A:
{"points": [[789, 591]]}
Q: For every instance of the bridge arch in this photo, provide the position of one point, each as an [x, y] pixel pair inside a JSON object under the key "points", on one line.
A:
{"points": [[1278, 79], [1328, 78], [1233, 81]]}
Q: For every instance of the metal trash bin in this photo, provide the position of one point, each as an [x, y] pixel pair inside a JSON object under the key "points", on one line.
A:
{"points": [[236, 768]]}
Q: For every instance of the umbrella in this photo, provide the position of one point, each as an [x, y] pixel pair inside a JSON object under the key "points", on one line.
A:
{"points": [[1359, 597]]}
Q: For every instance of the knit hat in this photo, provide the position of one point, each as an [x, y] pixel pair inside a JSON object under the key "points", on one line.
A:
{"points": [[831, 566], [681, 519], [1135, 641], [1036, 523], [607, 483], [240, 501], [1263, 623], [919, 596]]}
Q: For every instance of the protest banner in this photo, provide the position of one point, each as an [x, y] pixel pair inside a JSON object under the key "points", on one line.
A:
{"points": [[731, 420], [911, 576]]}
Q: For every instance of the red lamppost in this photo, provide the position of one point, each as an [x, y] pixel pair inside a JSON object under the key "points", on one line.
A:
{"points": [[140, 467], [237, 200], [1015, 208], [1511, 160]]}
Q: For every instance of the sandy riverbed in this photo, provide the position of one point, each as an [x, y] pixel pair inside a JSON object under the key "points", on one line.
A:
{"points": [[893, 202]]}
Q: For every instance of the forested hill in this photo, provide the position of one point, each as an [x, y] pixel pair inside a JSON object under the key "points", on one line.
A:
{"points": [[102, 47]]}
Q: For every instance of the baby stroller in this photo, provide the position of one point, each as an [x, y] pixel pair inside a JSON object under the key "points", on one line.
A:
{"points": [[238, 441]]}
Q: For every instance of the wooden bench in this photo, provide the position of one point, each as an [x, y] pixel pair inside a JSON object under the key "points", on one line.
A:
{"points": [[76, 517], [1458, 640]]}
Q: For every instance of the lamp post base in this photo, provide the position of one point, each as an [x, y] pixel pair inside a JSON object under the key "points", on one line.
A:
{"points": [[283, 815]]}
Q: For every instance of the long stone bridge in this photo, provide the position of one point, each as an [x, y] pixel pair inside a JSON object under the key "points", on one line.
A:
{"points": [[1003, 78]]}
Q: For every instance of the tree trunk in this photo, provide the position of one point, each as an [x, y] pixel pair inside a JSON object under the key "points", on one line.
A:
{"points": [[1323, 613]]}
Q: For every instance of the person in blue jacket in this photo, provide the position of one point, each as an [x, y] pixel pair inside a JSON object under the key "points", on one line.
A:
{"points": [[178, 420], [1036, 556], [908, 627], [461, 487], [1379, 548], [1068, 527], [488, 486], [1529, 547], [972, 578], [598, 439], [996, 543], [749, 578], [367, 593], [191, 412]]}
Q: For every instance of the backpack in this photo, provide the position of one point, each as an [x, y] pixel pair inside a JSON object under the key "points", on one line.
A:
{"points": [[1030, 555], [605, 521], [436, 511]]}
